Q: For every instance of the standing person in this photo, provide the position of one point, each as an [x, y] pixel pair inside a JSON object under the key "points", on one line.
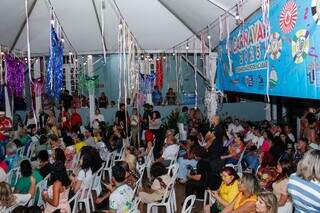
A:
{"points": [[103, 100], [67, 100], [219, 133], [122, 117], [156, 96], [302, 148], [183, 123], [266, 203], [121, 197], [154, 126], [135, 124], [59, 185], [247, 198], [304, 185]]}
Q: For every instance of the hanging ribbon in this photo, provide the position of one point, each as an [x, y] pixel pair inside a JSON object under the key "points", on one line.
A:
{"points": [[159, 73], [1, 69], [228, 47], [265, 5], [102, 31], [120, 60], [195, 73], [203, 44]]}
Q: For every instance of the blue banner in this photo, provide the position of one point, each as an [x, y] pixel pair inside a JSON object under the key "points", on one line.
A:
{"points": [[292, 60]]}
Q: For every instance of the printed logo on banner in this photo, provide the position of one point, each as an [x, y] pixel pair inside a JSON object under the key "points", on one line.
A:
{"points": [[275, 46], [300, 46], [314, 73], [315, 9], [249, 80], [273, 78], [288, 16]]}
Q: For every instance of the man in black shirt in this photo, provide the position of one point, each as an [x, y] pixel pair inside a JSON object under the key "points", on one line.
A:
{"points": [[202, 178], [121, 116], [45, 165], [67, 100]]}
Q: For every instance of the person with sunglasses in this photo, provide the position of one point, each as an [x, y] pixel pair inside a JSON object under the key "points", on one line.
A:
{"points": [[227, 192]]}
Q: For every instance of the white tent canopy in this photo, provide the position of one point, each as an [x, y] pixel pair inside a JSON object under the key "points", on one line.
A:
{"points": [[158, 25]]}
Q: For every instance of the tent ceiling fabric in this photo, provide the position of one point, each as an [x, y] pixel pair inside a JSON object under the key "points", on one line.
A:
{"points": [[154, 26]]}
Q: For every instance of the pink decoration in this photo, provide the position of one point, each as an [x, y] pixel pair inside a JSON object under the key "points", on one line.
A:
{"points": [[159, 73]]}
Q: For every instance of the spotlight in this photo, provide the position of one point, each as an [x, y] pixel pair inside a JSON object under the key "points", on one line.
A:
{"points": [[2, 53], [70, 53], [62, 40], [209, 37], [120, 26]]}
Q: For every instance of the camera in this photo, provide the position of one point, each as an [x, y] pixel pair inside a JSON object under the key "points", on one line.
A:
{"points": [[193, 171]]}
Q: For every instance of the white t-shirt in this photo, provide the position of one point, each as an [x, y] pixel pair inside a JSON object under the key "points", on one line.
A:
{"points": [[234, 129], [121, 199], [85, 177], [170, 152], [98, 117]]}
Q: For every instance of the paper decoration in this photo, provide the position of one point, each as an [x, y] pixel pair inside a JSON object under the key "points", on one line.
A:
{"points": [[315, 9], [275, 46], [300, 46], [288, 16], [15, 75], [159, 73]]}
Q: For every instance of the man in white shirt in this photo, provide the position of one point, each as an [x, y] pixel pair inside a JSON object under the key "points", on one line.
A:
{"points": [[170, 152], [122, 195], [97, 118], [235, 127]]}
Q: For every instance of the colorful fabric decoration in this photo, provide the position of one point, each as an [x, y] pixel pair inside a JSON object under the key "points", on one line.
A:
{"points": [[54, 80], [87, 83], [300, 46], [288, 16], [159, 73], [275, 46], [15, 76], [315, 9], [146, 83]]}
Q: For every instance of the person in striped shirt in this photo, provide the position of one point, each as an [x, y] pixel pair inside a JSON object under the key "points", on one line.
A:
{"points": [[304, 185]]}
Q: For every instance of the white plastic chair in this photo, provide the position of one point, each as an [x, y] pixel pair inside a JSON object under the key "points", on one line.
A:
{"points": [[86, 198], [108, 166], [97, 178], [31, 149], [189, 200], [40, 188], [238, 167], [134, 208], [75, 199], [173, 172], [207, 195], [166, 200], [138, 185], [20, 151], [13, 176]]}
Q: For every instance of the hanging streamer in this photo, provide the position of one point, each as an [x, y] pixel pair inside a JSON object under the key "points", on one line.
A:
{"points": [[228, 47], [195, 73], [265, 6], [103, 6], [220, 29], [1, 69], [120, 61], [29, 60], [159, 73]]}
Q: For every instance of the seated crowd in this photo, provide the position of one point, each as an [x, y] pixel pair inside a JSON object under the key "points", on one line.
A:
{"points": [[230, 165]]}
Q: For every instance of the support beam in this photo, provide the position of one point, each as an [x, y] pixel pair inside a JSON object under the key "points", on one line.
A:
{"points": [[222, 7], [99, 23], [181, 20], [195, 69], [16, 39]]}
